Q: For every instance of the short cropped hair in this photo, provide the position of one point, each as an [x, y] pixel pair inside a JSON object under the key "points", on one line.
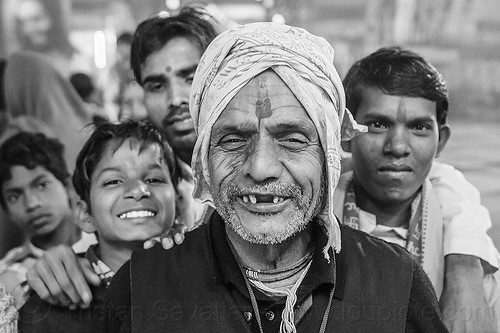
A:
{"points": [[154, 33], [399, 72], [144, 134], [31, 150]]}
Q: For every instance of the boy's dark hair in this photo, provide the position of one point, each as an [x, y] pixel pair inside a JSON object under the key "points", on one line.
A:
{"points": [[144, 134], [398, 72], [32, 150], [154, 33]]}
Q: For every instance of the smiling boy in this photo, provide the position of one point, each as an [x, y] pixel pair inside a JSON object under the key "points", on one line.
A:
{"points": [[126, 176]]}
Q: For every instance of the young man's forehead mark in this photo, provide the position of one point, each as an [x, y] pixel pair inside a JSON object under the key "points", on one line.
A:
{"points": [[168, 69], [263, 103], [401, 112]]}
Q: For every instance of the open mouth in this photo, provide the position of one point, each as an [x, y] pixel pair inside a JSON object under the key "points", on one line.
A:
{"points": [[262, 198], [134, 214]]}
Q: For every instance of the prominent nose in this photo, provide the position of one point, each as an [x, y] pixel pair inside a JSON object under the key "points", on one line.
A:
{"points": [[262, 163], [137, 190], [397, 142], [179, 94], [32, 201]]}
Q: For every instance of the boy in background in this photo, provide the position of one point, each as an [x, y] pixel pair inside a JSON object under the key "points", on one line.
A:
{"points": [[126, 176], [36, 193]]}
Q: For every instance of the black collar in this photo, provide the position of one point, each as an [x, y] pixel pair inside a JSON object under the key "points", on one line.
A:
{"points": [[320, 273]]}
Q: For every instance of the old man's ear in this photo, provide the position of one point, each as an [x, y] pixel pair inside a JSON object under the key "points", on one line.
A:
{"points": [[83, 218]]}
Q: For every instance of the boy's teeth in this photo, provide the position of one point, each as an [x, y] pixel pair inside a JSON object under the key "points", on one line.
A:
{"points": [[137, 213], [245, 198], [252, 198], [275, 199]]}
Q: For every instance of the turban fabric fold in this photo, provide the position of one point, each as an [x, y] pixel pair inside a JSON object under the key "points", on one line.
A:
{"points": [[305, 64]]}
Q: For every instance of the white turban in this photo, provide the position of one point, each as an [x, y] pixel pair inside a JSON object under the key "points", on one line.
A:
{"points": [[305, 64]]}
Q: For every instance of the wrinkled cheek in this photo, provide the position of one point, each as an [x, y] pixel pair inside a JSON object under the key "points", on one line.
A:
{"points": [[223, 169]]}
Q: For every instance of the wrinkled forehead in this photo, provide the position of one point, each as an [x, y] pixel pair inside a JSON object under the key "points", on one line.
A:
{"points": [[264, 96]]}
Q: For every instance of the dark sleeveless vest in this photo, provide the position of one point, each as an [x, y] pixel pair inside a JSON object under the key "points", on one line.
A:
{"points": [[197, 287]]}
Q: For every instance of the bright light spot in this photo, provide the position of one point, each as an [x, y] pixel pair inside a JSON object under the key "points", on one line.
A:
{"points": [[278, 18], [100, 49], [173, 4]]}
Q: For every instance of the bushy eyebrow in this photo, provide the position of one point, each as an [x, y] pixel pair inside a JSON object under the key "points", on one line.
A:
{"points": [[296, 127], [389, 120], [154, 78], [242, 129], [183, 72]]}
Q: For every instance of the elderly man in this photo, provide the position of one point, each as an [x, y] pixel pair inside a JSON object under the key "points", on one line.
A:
{"points": [[267, 106]]}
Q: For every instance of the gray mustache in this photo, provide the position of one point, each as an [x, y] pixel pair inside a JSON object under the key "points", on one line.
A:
{"points": [[279, 189]]}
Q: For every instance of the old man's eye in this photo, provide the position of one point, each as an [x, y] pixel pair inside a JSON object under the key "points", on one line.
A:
{"points": [[232, 141], [296, 141]]}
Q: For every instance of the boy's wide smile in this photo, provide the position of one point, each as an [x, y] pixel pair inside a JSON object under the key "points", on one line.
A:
{"points": [[133, 214], [133, 197]]}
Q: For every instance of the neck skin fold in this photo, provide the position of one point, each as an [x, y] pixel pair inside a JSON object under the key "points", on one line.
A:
{"points": [[271, 256]]}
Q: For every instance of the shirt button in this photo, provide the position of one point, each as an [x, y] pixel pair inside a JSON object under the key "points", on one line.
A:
{"points": [[248, 316], [269, 315]]}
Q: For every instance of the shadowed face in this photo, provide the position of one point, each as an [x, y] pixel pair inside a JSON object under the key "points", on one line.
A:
{"points": [[36, 200], [266, 162]]}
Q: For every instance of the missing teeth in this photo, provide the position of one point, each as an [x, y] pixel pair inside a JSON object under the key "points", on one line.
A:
{"points": [[253, 199]]}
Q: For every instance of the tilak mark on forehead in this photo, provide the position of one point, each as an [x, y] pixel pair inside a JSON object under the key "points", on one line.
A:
{"points": [[168, 69], [263, 106]]}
